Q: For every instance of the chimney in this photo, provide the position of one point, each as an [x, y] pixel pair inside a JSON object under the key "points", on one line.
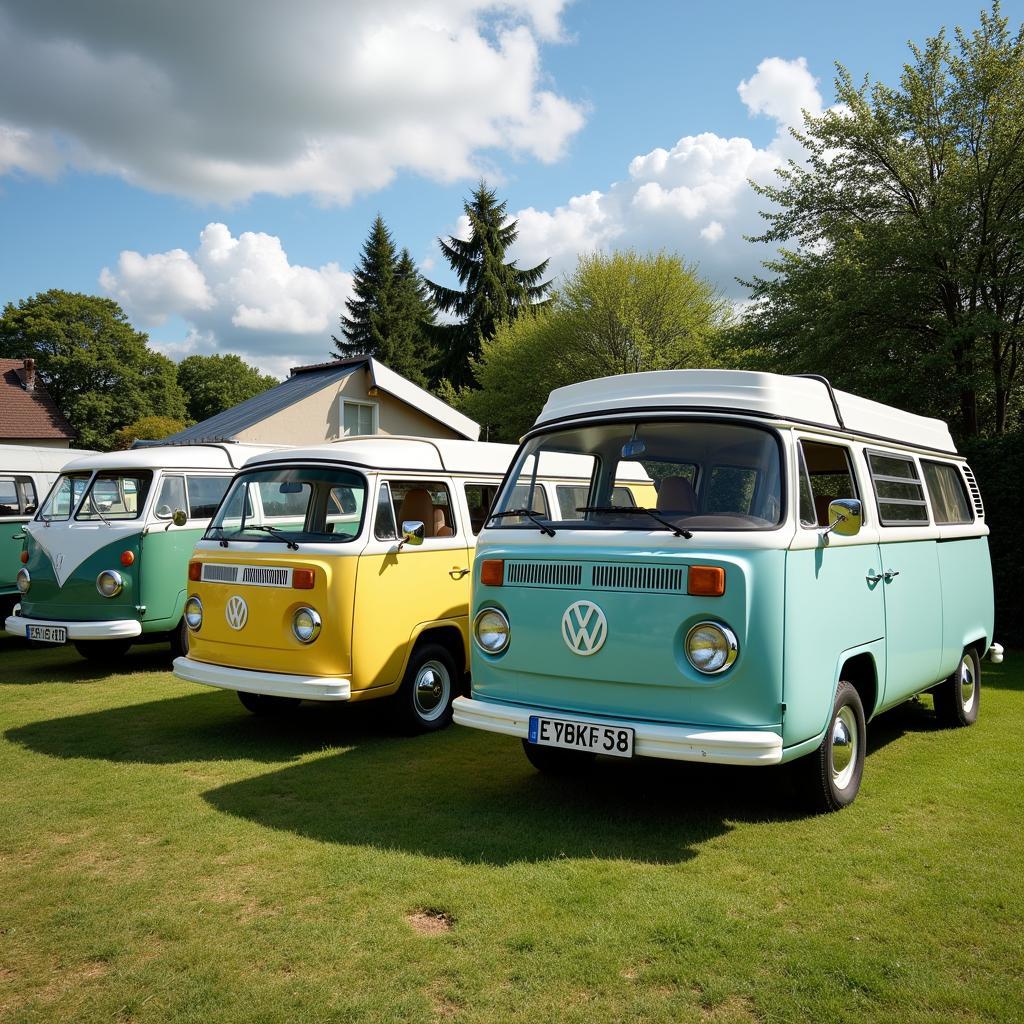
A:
{"points": [[30, 375]]}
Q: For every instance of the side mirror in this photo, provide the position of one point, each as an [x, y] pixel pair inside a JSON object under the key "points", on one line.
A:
{"points": [[412, 532], [844, 517], [180, 517]]}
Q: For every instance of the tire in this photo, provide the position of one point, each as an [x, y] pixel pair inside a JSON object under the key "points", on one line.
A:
{"points": [[424, 700], [958, 697], [266, 705], [831, 776], [555, 761], [180, 640], [98, 651]]}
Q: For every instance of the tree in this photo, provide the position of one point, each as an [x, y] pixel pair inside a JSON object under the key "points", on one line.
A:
{"points": [[493, 291], [96, 366], [390, 315], [146, 428], [214, 383], [902, 268], [618, 313]]}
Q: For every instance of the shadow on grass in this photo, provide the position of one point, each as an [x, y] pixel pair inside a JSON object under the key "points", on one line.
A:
{"points": [[25, 664]]}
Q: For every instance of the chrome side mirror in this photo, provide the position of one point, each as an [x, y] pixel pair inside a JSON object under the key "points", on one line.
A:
{"points": [[180, 517], [412, 532], [844, 517]]}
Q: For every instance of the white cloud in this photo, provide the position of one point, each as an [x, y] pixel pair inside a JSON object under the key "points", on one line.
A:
{"points": [[693, 198], [240, 294], [220, 101]]}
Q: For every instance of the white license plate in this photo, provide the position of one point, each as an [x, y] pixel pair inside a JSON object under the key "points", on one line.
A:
{"points": [[47, 634], [598, 739]]}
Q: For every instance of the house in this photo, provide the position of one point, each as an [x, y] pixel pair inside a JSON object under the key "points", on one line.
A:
{"points": [[331, 400], [28, 415]]}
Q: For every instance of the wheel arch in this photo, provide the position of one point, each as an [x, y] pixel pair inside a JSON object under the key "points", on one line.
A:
{"points": [[449, 635], [861, 672]]}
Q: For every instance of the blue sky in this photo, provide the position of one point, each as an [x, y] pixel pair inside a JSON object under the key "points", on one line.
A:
{"points": [[602, 124]]}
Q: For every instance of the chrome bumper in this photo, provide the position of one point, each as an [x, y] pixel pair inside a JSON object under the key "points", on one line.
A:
{"points": [[116, 629], [273, 684], [673, 742]]}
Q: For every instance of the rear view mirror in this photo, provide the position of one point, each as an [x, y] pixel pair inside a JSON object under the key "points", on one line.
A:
{"points": [[180, 517], [412, 532], [844, 517]]}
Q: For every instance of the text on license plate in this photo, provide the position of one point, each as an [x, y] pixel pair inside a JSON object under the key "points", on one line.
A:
{"points": [[47, 634], [600, 739]]}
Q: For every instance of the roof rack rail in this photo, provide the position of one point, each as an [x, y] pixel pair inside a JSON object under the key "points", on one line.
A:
{"points": [[144, 443], [831, 394]]}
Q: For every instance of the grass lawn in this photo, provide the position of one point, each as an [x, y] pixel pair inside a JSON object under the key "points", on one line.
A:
{"points": [[165, 856]]}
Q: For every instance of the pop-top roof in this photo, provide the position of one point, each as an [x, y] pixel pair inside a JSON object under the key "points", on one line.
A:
{"points": [[791, 399], [172, 456]]}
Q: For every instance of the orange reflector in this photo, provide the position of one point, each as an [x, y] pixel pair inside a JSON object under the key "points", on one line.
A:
{"points": [[492, 572], [127, 557], [706, 581], [303, 579], [24, 558], [195, 570]]}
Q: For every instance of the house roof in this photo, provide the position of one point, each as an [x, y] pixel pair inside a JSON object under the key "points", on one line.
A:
{"points": [[26, 414], [307, 380]]}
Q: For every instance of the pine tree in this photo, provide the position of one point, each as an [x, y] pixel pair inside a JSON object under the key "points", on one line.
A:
{"points": [[409, 349], [493, 291], [373, 280]]}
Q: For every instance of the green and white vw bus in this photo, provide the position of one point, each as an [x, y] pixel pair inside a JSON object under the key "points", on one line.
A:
{"points": [[26, 473], [811, 559], [105, 559]]}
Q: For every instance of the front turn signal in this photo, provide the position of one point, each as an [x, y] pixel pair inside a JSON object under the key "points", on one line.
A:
{"points": [[492, 572], [195, 571], [303, 579], [706, 581], [24, 558]]}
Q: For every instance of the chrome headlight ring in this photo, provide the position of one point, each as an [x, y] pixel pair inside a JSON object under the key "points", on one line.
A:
{"points": [[711, 647], [492, 630], [109, 583], [306, 625], [23, 581], [194, 613]]}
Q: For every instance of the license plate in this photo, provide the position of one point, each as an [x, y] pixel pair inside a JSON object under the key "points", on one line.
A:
{"points": [[47, 634], [598, 739]]}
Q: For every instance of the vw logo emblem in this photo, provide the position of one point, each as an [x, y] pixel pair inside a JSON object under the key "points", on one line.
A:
{"points": [[584, 628], [237, 613]]}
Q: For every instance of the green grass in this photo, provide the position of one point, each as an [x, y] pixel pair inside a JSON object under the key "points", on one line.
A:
{"points": [[164, 856]]}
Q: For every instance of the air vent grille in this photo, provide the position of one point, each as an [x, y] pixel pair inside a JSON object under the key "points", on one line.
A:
{"points": [[264, 576], [213, 573], [660, 578], [544, 574], [972, 485]]}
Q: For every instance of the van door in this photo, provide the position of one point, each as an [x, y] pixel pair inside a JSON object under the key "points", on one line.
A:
{"points": [[399, 587], [910, 576]]}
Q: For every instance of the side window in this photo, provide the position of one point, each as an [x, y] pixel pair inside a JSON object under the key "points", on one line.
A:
{"points": [[898, 490], [384, 518], [946, 491], [521, 499], [479, 498], [424, 501], [204, 495], [171, 496], [9, 504], [27, 493], [826, 474]]}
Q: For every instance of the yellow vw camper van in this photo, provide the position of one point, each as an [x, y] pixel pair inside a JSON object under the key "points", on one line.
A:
{"points": [[342, 571]]}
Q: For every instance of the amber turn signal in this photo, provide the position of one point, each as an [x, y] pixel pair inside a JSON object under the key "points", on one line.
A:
{"points": [[303, 579], [706, 581], [24, 558], [492, 572], [127, 557], [195, 571]]}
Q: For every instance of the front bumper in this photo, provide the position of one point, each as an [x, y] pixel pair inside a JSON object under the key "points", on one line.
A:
{"points": [[273, 684], [114, 629], [672, 742]]}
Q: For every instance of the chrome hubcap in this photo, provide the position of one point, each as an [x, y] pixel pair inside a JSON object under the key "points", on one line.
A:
{"points": [[430, 690], [845, 742], [968, 684]]}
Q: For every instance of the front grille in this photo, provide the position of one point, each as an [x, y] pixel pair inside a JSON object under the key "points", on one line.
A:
{"points": [[544, 574], [213, 573], [975, 490], [663, 579], [263, 576]]}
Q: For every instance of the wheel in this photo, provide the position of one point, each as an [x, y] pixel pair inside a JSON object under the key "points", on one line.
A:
{"points": [[425, 697], [102, 650], [180, 639], [832, 774], [265, 704], [957, 698], [556, 761]]}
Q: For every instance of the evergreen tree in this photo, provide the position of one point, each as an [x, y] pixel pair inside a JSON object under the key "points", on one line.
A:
{"points": [[493, 291], [373, 279], [409, 349]]}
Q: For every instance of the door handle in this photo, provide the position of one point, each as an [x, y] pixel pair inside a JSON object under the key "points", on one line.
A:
{"points": [[457, 574], [873, 579], [891, 574]]}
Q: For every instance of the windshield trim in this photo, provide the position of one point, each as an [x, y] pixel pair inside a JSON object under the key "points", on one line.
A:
{"points": [[82, 474]]}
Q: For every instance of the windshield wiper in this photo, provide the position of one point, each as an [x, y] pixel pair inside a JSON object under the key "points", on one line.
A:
{"points": [[274, 532], [96, 509], [636, 510], [535, 517]]}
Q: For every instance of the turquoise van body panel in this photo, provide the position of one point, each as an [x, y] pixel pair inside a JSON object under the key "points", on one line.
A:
{"points": [[164, 571], [12, 540], [831, 608], [640, 671], [968, 605]]}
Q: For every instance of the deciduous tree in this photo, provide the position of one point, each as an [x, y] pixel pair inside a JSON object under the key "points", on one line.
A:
{"points": [[217, 382]]}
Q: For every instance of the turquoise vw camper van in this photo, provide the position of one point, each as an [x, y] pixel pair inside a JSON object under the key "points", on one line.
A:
{"points": [[811, 559], [105, 558]]}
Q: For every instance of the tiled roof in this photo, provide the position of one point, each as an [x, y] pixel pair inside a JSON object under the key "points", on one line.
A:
{"points": [[28, 415]]}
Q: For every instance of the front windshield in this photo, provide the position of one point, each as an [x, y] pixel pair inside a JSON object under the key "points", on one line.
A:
{"points": [[651, 475], [292, 504], [63, 497], [115, 495]]}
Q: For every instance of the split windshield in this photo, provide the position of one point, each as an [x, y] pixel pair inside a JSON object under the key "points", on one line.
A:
{"points": [[115, 496], [63, 497], [293, 505], [692, 475]]}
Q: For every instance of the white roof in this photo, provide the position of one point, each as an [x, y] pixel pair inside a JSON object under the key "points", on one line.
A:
{"points": [[171, 456], [26, 458], [418, 454], [792, 399]]}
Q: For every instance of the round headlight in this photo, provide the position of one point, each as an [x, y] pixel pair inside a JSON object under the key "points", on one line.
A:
{"points": [[193, 613], [24, 581], [711, 647], [109, 583], [491, 630], [306, 625]]}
